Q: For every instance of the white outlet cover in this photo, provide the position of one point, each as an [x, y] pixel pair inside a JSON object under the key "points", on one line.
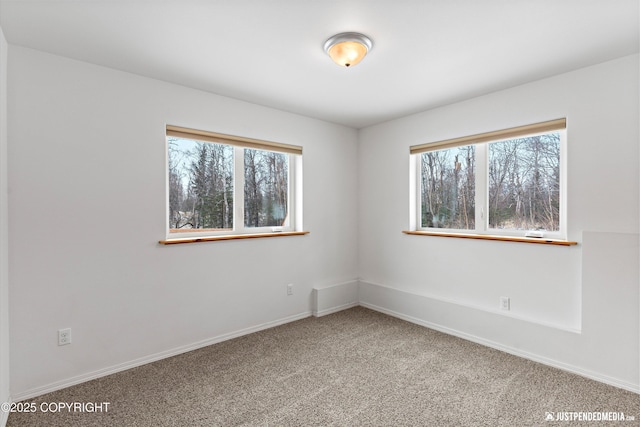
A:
{"points": [[64, 336]]}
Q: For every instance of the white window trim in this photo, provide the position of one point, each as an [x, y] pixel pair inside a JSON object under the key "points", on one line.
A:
{"points": [[482, 193], [294, 195]]}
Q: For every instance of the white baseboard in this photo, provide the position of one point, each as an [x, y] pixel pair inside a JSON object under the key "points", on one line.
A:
{"points": [[507, 349], [330, 299], [332, 310], [334, 298], [4, 416], [398, 303], [58, 385]]}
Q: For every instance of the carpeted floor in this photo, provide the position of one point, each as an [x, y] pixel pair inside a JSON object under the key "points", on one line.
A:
{"points": [[352, 368]]}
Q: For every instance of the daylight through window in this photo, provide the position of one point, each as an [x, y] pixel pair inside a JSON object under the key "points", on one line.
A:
{"points": [[219, 184], [507, 182]]}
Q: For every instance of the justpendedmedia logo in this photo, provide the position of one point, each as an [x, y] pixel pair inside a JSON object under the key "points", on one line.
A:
{"points": [[587, 416]]}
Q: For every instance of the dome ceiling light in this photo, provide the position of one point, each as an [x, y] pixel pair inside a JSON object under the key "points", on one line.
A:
{"points": [[347, 49]]}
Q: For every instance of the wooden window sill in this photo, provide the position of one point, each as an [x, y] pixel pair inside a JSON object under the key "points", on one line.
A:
{"points": [[540, 241], [230, 237]]}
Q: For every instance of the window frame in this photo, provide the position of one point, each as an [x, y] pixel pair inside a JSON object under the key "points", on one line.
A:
{"points": [[239, 145], [481, 143]]}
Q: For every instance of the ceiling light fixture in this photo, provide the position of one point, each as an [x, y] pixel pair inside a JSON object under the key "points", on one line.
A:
{"points": [[347, 49]]}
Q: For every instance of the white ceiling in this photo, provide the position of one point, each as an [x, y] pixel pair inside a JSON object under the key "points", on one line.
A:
{"points": [[426, 53]]}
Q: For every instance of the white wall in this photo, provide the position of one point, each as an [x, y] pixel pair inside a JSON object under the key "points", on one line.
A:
{"points": [[86, 149], [4, 234], [87, 208], [455, 284]]}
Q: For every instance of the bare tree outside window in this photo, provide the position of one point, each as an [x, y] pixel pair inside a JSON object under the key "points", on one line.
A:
{"points": [[266, 188], [524, 183], [448, 188], [508, 182]]}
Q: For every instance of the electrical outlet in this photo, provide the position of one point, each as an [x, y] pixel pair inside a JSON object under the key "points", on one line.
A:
{"points": [[290, 289], [505, 303], [64, 336]]}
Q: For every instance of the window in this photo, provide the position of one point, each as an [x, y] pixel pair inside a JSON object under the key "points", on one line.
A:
{"points": [[509, 182], [226, 185]]}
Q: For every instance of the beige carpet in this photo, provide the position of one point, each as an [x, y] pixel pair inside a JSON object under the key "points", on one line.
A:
{"points": [[353, 368]]}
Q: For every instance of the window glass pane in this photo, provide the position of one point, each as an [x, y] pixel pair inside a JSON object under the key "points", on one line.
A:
{"points": [[266, 188], [448, 188], [200, 185], [524, 183]]}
